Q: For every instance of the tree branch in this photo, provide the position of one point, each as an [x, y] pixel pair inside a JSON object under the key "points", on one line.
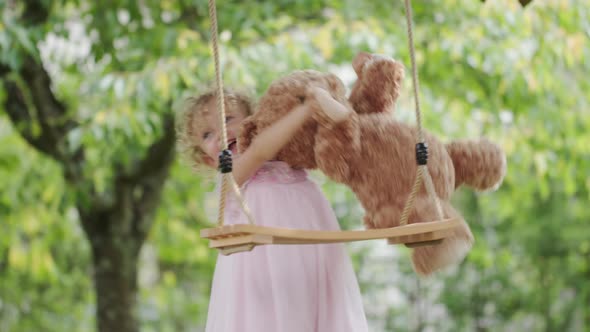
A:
{"points": [[138, 190], [35, 12], [191, 17], [46, 125], [151, 176], [136, 194], [4, 70], [44, 122], [3, 260]]}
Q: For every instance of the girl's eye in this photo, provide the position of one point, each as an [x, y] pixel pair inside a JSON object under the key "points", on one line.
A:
{"points": [[228, 118], [206, 135]]}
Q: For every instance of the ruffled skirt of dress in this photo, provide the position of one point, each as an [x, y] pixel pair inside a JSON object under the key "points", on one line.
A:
{"points": [[286, 288]]}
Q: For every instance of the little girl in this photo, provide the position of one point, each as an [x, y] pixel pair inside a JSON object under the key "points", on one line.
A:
{"points": [[274, 288]]}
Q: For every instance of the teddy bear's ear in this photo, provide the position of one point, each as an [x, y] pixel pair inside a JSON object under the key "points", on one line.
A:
{"points": [[359, 62], [248, 131]]}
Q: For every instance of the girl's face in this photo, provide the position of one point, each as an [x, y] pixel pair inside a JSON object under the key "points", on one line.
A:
{"points": [[209, 131]]}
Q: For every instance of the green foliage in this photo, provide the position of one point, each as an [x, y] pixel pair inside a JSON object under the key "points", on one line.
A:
{"points": [[515, 75], [43, 256]]}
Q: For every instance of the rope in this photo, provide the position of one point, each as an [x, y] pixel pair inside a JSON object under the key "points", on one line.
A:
{"points": [[415, 82], [412, 197], [226, 177], [222, 195], [242, 202], [422, 172], [218, 80]]}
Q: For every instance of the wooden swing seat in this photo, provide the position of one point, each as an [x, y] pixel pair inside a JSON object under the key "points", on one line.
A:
{"points": [[229, 239]]}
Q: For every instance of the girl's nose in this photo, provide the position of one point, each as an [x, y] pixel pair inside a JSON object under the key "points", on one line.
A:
{"points": [[215, 139], [218, 140], [230, 132]]}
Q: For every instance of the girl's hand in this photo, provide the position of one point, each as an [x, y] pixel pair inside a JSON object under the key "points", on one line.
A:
{"points": [[328, 105]]}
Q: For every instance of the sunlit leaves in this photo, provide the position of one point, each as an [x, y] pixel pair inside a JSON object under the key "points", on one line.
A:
{"points": [[42, 250], [518, 76]]}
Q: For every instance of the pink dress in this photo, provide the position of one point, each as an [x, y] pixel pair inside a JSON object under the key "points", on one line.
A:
{"points": [[285, 288]]}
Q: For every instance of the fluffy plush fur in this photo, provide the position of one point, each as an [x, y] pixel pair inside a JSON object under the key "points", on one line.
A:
{"points": [[374, 154]]}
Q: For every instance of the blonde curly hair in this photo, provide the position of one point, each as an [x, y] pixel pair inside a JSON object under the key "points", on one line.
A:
{"points": [[196, 107]]}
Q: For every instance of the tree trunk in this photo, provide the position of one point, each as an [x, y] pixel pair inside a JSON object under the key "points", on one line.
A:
{"points": [[115, 279], [116, 222]]}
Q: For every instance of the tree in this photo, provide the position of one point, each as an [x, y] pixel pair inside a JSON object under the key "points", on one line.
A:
{"points": [[115, 186], [116, 222], [88, 90]]}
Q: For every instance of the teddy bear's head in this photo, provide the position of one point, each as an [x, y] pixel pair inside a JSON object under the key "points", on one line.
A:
{"points": [[378, 85], [282, 96]]}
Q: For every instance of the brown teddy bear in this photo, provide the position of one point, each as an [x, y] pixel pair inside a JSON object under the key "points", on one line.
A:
{"points": [[479, 164], [357, 142]]}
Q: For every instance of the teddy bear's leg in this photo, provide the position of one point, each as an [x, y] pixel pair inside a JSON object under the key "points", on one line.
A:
{"points": [[452, 250], [384, 217], [378, 86]]}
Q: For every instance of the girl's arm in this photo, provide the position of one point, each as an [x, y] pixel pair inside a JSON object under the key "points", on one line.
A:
{"points": [[268, 143], [338, 139], [335, 111]]}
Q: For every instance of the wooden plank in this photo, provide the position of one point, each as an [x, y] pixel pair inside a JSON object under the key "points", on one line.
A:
{"points": [[418, 232], [236, 249], [241, 240]]}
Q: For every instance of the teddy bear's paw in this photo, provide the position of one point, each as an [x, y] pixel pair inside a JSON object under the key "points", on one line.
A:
{"points": [[499, 178]]}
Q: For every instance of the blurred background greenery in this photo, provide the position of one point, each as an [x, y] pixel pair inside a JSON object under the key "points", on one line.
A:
{"points": [[91, 188]]}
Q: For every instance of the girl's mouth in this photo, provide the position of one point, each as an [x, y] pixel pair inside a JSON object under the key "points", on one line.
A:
{"points": [[231, 144]]}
